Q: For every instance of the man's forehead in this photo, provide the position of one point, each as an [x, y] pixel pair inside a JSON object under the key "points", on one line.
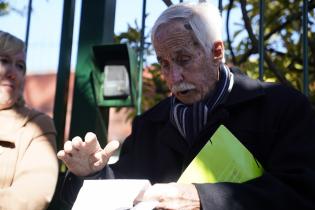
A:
{"points": [[174, 40], [173, 53], [170, 27]]}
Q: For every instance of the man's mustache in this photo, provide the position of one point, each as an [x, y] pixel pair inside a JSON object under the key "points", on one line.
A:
{"points": [[183, 86]]}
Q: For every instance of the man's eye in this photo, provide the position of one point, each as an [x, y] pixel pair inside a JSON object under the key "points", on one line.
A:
{"points": [[163, 64], [184, 59]]}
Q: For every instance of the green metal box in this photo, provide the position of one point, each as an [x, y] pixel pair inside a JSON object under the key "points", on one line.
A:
{"points": [[115, 75]]}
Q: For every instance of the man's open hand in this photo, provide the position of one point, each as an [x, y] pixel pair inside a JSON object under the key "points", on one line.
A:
{"points": [[86, 157]]}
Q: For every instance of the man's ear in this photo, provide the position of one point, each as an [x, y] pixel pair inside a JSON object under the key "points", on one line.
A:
{"points": [[218, 50]]}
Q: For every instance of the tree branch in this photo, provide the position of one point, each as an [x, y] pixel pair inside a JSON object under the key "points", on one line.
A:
{"points": [[254, 42], [289, 19], [245, 56], [168, 2], [228, 31], [248, 26]]}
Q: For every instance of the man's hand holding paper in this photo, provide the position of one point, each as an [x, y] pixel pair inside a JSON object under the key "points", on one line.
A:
{"points": [[172, 196], [86, 157]]}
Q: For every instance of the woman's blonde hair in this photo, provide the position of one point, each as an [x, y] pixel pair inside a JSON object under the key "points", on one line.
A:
{"points": [[11, 45]]}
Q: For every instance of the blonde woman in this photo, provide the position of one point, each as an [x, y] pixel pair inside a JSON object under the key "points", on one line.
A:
{"points": [[28, 164]]}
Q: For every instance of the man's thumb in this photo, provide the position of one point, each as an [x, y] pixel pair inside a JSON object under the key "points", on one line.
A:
{"points": [[110, 148]]}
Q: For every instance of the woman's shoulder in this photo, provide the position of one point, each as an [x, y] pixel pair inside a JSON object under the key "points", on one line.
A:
{"points": [[37, 120]]}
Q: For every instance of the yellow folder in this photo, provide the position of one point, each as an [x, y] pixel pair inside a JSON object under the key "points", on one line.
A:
{"points": [[223, 159]]}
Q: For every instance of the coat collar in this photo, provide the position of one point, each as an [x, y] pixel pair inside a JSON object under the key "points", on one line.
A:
{"points": [[244, 89], [21, 116], [170, 136]]}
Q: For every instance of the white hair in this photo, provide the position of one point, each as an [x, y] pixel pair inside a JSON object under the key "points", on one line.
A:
{"points": [[204, 19]]}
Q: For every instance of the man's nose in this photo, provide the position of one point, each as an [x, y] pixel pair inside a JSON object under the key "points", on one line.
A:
{"points": [[176, 73]]}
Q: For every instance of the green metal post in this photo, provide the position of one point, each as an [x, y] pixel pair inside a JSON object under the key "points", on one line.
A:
{"points": [[139, 96], [96, 27], [305, 48], [63, 74], [220, 7], [62, 89], [28, 23], [261, 38]]}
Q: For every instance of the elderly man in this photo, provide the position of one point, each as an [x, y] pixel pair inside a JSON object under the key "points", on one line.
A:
{"points": [[274, 122]]}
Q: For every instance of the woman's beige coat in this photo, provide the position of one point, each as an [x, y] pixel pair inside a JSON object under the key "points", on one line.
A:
{"points": [[28, 163]]}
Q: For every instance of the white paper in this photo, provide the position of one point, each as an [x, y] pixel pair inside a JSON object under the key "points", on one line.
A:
{"points": [[112, 194]]}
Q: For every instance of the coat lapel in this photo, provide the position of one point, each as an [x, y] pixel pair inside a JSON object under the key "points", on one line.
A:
{"points": [[168, 135], [244, 89], [21, 116], [172, 138]]}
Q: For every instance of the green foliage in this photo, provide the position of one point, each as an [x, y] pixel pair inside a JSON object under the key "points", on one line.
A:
{"points": [[154, 87], [133, 38], [4, 7], [282, 41]]}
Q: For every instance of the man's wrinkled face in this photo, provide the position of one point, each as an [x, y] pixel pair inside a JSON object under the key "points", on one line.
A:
{"points": [[186, 67]]}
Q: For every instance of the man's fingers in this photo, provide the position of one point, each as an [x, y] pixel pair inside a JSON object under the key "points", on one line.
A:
{"points": [[91, 143], [77, 143], [71, 148], [110, 148], [106, 153], [87, 153], [154, 192], [90, 138], [62, 155], [68, 148]]}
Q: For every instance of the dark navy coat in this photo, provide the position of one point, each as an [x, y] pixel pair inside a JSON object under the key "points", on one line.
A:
{"points": [[274, 122]]}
